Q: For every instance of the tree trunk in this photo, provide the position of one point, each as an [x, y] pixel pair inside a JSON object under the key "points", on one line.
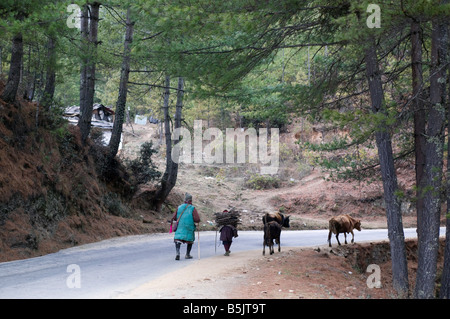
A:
{"points": [[27, 90], [12, 85], [84, 23], [50, 77], [89, 72], [179, 105], [170, 175], [445, 279], [419, 112], [428, 230], [389, 176], [122, 99], [93, 32]]}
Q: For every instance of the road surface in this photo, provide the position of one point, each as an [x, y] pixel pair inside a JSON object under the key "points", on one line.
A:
{"points": [[112, 267]]}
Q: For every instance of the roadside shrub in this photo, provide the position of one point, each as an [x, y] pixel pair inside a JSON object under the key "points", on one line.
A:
{"points": [[258, 182], [142, 168], [114, 205], [52, 206]]}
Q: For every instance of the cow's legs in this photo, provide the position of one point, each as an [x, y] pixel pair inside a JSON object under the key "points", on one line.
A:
{"points": [[353, 237], [337, 238], [279, 244], [345, 238], [329, 238]]}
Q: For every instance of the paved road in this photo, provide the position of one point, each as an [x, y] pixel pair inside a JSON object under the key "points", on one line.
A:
{"points": [[111, 267]]}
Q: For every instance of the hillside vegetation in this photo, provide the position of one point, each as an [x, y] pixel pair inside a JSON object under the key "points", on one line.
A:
{"points": [[54, 192]]}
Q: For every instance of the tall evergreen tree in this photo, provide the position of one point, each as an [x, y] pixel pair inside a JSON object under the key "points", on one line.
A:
{"points": [[123, 89], [388, 174], [50, 78], [89, 31], [418, 109], [169, 177], [12, 85], [429, 218]]}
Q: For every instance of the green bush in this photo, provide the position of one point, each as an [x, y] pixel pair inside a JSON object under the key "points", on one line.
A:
{"points": [[258, 181], [142, 168], [113, 204], [52, 206]]}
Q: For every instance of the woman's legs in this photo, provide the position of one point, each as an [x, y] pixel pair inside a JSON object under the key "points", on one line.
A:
{"points": [[177, 248], [188, 250], [227, 245]]}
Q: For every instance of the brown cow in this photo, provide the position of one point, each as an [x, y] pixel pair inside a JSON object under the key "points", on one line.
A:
{"points": [[343, 224], [278, 217]]}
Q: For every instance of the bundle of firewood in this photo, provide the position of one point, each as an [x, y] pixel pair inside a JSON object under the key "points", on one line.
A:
{"points": [[228, 218]]}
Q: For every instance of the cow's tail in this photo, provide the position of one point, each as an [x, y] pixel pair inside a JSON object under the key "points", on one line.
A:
{"points": [[332, 226]]}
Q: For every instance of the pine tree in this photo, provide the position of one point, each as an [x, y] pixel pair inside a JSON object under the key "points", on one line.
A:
{"points": [[12, 85], [389, 175], [123, 87], [169, 177], [429, 218], [89, 31], [50, 80]]}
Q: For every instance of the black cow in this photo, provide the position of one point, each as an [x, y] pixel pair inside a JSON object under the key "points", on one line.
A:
{"points": [[272, 231], [278, 217]]}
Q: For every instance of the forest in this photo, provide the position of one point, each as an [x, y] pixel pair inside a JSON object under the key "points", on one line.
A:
{"points": [[376, 70]]}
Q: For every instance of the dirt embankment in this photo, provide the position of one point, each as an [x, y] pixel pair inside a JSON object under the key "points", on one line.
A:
{"points": [[337, 272], [52, 192]]}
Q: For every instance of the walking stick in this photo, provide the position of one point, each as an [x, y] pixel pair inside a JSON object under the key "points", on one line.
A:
{"points": [[198, 234], [215, 244]]}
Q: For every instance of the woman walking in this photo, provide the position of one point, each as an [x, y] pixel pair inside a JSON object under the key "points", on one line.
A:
{"points": [[186, 217], [227, 233]]}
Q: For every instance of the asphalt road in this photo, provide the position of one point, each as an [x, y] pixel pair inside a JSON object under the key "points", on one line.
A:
{"points": [[111, 267]]}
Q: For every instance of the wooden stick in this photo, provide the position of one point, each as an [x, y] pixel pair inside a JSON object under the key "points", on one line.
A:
{"points": [[215, 243], [198, 233]]}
